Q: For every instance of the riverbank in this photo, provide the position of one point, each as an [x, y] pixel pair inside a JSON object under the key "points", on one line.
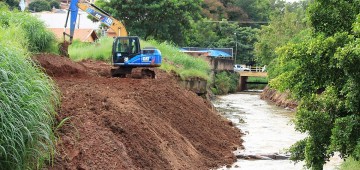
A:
{"points": [[134, 123], [279, 99]]}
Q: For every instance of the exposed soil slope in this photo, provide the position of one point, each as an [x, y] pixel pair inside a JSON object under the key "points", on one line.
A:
{"points": [[123, 123], [280, 99]]}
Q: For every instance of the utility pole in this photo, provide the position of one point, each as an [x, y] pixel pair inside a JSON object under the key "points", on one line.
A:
{"points": [[235, 48]]}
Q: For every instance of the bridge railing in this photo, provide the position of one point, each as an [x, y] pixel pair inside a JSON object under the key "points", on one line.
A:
{"points": [[257, 68]]}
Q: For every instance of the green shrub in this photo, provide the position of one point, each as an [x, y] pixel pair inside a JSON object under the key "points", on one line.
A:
{"points": [[28, 99], [225, 83], [40, 5], [54, 4]]}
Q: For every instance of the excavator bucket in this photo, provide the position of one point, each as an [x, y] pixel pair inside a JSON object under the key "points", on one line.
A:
{"points": [[64, 49]]}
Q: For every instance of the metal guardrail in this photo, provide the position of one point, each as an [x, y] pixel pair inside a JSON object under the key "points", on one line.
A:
{"points": [[257, 69]]}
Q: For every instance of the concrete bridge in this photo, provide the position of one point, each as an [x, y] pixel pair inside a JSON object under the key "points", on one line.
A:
{"points": [[244, 76]]}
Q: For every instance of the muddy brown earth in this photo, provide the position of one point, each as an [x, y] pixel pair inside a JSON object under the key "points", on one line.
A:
{"points": [[124, 123], [280, 99]]}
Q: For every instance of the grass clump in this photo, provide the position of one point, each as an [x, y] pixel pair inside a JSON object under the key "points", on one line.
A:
{"points": [[38, 37], [28, 99], [100, 50], [174, 60]]}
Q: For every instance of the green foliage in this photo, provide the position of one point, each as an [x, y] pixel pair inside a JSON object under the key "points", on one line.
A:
{"points": [[323, 74], [224, 35], [54, 4], [183, 64], [38, 37], [28, 99], [100, 50], [225, 83], [162, 20], [350, 164], [285, 27], [13, 4], [40, 5], [330, 17]]}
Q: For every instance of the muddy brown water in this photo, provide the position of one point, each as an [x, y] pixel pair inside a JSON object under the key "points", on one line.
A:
{"points": [[268, 131]]}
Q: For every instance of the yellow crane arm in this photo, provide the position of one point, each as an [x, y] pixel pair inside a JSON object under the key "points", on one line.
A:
{"points": [[103, 17]]}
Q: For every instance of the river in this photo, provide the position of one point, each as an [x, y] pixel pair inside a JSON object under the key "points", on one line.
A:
{"points": [[268, 131]]}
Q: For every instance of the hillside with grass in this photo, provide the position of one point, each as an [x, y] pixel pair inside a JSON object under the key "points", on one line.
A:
{"points": [[173, 60], [28, 97]]}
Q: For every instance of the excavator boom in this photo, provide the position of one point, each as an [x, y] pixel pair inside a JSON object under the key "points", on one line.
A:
{"points": [[97, 13]]}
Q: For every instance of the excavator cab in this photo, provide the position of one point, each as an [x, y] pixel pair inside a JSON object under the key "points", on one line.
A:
{"points": [[128, 58], [124, 49]]}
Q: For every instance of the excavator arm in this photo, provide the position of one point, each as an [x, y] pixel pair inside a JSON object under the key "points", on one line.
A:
{"points": [[97, 13]]}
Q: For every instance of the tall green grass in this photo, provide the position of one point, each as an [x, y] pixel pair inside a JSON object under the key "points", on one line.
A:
{"points": [[183, 64], [173, 60], [38, 37], [100, 50], [28, 99]]}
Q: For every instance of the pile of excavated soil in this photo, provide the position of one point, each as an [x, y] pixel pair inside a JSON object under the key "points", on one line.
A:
{"points": [[123, 123]]}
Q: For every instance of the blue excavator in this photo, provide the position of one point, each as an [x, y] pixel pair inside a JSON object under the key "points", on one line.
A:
{"points": [[127, 57]]}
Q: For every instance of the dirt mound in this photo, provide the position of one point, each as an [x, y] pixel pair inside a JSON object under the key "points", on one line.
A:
{"points": [[56, 65], [123, 123]]}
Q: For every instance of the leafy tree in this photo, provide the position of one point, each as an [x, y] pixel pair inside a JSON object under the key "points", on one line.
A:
{"points": [[54, 4], [12, 3], [330, 17], [40, 5], [325, 78], [213, 9], [284, 27], [202, 34], [160, 19], [322, 73], [224, 34]]}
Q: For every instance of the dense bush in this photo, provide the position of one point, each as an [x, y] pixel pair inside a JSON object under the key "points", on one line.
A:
{"points": [[39, 5], [225, 83], [55, 4], [28, 99]]}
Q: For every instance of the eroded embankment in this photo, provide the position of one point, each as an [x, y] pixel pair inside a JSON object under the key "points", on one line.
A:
{"points": [[280, 99], [134, 123]]}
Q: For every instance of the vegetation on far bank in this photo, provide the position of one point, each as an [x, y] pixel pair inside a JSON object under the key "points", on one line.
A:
{"points": [[316, 58], [28, 98]]}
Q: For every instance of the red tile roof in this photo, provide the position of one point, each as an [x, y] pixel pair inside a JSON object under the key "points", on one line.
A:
{"points": [[84, 35]]}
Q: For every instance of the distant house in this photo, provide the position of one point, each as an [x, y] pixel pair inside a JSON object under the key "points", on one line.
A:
{"points": [[85, 28], [84, 35]]}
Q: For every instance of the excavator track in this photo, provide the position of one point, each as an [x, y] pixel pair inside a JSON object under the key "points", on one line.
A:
{"points": [[142, 73], [137, 73]]}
